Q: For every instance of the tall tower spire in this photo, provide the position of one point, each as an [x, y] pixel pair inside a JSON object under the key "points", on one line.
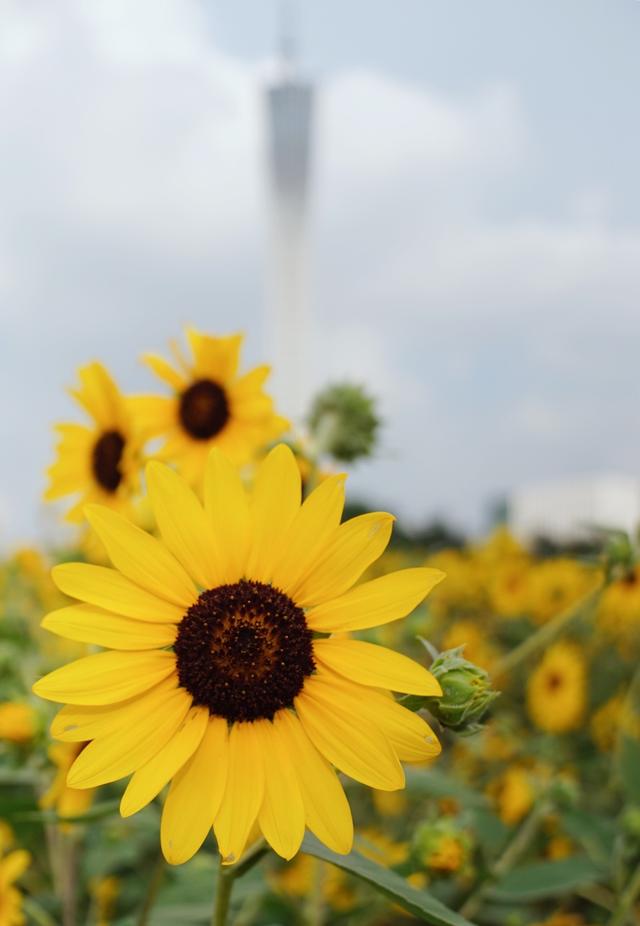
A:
{"points": [[289, 101]]}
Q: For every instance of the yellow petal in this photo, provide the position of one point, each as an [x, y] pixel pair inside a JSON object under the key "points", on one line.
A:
{"points": [[153, 414], [244, 791], [374, 665], [377, 602], [225, 502], [275, 502], [410, 735], [281, 815], [98, 395], [76, 723], [327, 810], [122, 752], [88, 624], [165, 371], [215, 358], [194, 796], [106, 678], [251, 382], [140, 557], [149, 780], [310, 531], [12, 866], [353, 547], [347, 739], [107, 589], [184, 527]]}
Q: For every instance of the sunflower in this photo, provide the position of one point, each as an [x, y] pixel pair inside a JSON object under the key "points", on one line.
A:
{"points": [[100, 462], [12, 866], [211, 405], [223, 675], [556, 692]]}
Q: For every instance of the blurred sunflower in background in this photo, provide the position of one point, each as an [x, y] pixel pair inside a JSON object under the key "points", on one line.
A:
{"points": [[100, 462], [556, 693], [255, 702], [211, 405]]}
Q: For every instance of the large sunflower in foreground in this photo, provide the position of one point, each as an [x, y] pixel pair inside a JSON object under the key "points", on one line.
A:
{"points": [[222, 674], [97, 462], [212, 404]]}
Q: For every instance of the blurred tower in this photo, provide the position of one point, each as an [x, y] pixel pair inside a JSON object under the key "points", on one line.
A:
{"points": [[289, 101]]}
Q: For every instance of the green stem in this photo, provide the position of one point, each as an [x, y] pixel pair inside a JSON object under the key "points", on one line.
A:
{"points": [[627, 900], [545, 634], [223, 896], [157, 877], [514, 851], [228, 875]]}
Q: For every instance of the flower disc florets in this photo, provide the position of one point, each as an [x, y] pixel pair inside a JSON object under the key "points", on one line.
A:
{"points": [[244, 651]]}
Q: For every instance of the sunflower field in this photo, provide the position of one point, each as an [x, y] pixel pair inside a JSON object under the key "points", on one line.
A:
{"points": [[235, 697]]}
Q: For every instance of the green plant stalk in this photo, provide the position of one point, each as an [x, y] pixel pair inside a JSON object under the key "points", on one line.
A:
{"points": [[545, 634], [513, 852], [228, 875], [627, 900], [157, 877]]}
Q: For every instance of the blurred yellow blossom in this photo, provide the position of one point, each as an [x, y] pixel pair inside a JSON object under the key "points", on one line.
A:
{"points": [[556, 692], [18, 722]]}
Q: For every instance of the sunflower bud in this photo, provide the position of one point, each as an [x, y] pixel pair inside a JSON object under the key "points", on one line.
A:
{"points": [[344, 423], [466, 692], [441, 845]]}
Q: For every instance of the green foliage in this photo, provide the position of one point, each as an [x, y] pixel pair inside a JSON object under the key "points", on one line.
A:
{"points": [[343, 422]]}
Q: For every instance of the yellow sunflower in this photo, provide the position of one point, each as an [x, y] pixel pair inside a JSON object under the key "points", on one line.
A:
{"points": [[211, 404], [556, 694], [12, 866], [99, 462], [223, 675]]}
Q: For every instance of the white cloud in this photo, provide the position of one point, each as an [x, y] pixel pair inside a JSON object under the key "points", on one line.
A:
{"points": [[133, 201]]}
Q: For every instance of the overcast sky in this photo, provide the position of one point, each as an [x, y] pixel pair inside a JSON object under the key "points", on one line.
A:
{"points": [[476, 223]]}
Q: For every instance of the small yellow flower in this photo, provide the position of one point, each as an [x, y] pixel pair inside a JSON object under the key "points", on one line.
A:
{"points": [[12, 867], [105, 892], [212, 404], [619, 612], [99, 462], [18, 722], [389, 803], [556, 584], [556, 693], [514, 795]]}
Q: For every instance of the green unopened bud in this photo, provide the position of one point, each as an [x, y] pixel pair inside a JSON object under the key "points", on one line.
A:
{"points": [[466, 692], [344, 423]]}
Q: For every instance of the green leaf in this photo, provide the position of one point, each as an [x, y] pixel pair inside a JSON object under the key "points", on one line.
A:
{"points": [[540, 880], [433, 783], [595, 834], [419, 903]]}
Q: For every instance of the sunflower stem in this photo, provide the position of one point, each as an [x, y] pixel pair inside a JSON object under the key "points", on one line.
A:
{"points": [[224, 888], [513, 852], [228, 875], [545, 634], [157, 877]]}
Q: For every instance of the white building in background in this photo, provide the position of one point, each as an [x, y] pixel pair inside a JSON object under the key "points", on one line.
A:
{"points": [[290, 103], [568, 509]]}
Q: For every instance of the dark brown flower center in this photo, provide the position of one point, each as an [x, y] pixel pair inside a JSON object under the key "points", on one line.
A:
{"points": [[244, 651], [554, 681], [203, 409], [106, 459]]}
